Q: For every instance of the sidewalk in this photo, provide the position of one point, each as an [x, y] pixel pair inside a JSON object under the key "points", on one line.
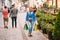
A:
{"points": [[1, 21], [19, 33], [10, 34], [37, 35]]}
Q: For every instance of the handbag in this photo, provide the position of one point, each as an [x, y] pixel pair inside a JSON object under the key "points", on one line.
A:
{"points": [[26, 27]]}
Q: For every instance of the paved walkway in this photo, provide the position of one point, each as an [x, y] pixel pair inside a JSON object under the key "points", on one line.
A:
{"points": [[18, 33]]}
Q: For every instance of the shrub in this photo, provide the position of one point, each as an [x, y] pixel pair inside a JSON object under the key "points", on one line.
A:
{"points": [[57, 28]]}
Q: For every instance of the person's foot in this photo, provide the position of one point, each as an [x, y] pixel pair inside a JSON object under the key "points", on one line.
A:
{"points": [[30, 35], [5, 27], [12, 27], [15, 27]]}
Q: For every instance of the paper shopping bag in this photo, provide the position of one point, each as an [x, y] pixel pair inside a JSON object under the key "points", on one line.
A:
{"points": [[26, 26], [35, 27]]}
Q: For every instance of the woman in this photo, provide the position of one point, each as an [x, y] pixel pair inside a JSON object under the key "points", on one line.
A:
{"points": [[5, 16], [30, 19]]}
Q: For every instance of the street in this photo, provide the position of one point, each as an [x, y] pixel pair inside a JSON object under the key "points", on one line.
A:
{"points": [[18, 33]]}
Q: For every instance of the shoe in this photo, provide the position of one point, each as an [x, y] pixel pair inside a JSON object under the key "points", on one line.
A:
{"points": [[15, 27], [6, 27], [12, 27], [30, 35]]}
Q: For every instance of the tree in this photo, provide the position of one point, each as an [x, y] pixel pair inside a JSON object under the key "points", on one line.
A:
{"points": [[52, 2], [56, 3]]}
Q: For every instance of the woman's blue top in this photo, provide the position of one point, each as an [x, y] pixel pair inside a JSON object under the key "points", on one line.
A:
{"points": [[31, 15]]}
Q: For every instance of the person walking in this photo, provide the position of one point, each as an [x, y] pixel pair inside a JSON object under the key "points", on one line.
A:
{"points": [[5, 16], [30, 19], [13, 15]]}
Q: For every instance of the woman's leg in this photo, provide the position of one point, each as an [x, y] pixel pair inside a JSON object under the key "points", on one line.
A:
{"points": [[31, 28]]}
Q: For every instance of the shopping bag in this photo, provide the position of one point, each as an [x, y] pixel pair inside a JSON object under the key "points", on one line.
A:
{"points": [[26, 27], [35, 27]]}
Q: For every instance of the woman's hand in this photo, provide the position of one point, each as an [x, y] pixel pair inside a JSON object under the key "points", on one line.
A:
{"points": [[30, 18]]}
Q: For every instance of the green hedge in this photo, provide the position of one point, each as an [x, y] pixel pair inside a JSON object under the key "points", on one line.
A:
{"points": [[46, 21], [57, 28]]}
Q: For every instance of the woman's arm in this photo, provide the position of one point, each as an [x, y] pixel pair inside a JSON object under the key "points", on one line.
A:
{"points": [[27, 16], [34, 18]]}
